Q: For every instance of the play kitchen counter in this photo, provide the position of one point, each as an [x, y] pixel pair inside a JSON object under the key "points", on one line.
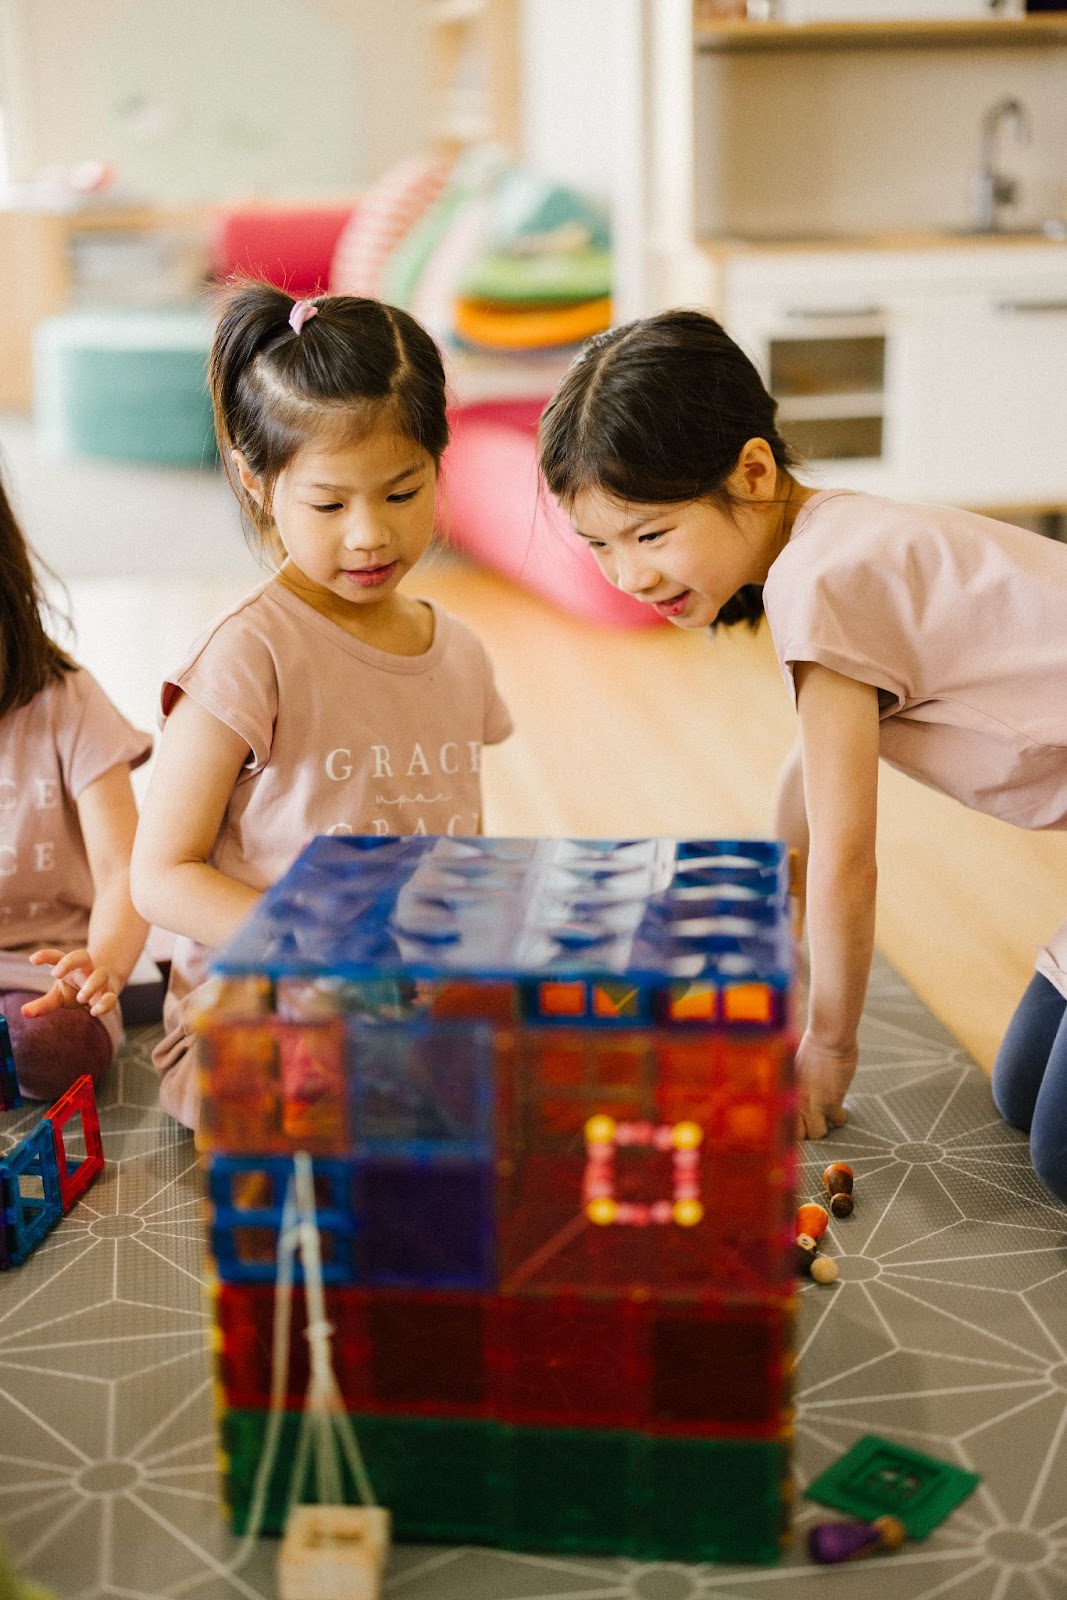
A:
{"points": [[924, 365]]}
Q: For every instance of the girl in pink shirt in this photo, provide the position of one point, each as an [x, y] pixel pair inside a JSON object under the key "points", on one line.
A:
{"points": [[69, 936], [329, 700], [933, 638]]}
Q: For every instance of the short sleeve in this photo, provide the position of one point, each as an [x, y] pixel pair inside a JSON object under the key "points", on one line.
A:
{"points": [[852, 619], [232, 673], [92, 735]]}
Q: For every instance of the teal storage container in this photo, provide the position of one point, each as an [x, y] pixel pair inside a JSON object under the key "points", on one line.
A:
{"points": [[126, 384]]}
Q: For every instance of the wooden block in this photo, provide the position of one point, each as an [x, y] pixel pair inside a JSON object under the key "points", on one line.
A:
{"points": [[333, 1553]]}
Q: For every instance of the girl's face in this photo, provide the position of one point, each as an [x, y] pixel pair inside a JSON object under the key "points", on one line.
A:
{"points": [[354, 516], [685, 559]]}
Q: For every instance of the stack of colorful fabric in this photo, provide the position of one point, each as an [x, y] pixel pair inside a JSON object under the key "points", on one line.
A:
{"points": [[544, 277], [491, 257]]}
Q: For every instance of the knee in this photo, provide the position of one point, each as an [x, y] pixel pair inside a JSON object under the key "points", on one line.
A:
{"points": [[1048, 1152], [1014, 1092], [52, 1051]]}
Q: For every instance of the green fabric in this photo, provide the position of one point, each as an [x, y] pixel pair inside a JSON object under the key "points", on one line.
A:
{"points": [[539, 279]]}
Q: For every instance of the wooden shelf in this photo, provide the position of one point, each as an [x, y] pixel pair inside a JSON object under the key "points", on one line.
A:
{"points": [[1046, 29]]}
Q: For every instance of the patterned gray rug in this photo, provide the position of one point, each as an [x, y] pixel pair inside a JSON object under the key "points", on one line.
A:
{"points": [[946, 1332]]}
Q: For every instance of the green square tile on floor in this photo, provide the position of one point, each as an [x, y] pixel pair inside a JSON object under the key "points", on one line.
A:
{"points": [[878, 1478]]}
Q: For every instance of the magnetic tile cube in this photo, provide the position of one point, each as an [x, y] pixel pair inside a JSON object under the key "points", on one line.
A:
{"points": [[547, 1090]]}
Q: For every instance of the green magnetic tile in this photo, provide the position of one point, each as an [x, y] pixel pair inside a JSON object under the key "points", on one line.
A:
{"points": [[877, 1478], [714, 1499], [435, 1475], [243, 1434], [571, 1488]]}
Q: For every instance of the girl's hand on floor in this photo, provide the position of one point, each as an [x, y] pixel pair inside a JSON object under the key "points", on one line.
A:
{"points": [[823, 1076], [78, 982]]}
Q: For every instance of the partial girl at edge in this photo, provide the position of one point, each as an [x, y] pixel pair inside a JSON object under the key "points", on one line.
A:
{"points": [[70, 936], [329, 700], [932, 638]]}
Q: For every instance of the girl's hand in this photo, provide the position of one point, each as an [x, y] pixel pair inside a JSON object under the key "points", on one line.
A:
{"points": [[78, 982], [823, 1076]]}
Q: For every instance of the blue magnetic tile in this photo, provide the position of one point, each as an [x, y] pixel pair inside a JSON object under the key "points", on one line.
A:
{"points": [[600, 911], [30, 1216], [425, 1224], [10, 1098], [422, 1090], [247, 1196]]}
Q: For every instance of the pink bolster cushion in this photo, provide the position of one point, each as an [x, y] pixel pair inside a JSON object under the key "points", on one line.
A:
{"points": [[493, 511]]}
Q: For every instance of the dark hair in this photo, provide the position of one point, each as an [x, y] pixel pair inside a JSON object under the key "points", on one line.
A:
{"points": [[357, 361], [29, 659], [658, 411]]}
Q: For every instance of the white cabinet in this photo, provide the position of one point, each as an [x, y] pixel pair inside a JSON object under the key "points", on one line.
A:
{"points": [[992, 400], [937, 373]]}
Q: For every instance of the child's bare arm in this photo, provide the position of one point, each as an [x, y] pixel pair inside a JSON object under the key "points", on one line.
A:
{"points": [[94, 976], [197, 765], [839, 731], [791, 824]]}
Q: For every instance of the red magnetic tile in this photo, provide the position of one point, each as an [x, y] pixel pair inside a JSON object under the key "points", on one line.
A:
{"points": [[428, 1352], [79, 1101], [568, 1361], [245, 1322], [718, 1370]]}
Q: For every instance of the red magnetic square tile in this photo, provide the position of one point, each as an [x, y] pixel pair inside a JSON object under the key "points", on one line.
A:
{"points": [[716, 1369], [244, 1338], [428, 1352], [569, 1361]]}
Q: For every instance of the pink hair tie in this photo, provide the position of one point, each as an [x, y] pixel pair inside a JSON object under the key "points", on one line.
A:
{"points": [[303, 311]]}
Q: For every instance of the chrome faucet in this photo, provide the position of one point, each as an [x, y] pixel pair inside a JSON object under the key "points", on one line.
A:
{"points": [[995, 189]]}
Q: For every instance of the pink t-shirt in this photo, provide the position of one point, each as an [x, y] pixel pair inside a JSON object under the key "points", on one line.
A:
{"points": [[960, 622], [343, 737], [51, 750]]}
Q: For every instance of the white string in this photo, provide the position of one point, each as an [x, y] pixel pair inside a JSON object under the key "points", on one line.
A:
{"points": [[324, 1420]]}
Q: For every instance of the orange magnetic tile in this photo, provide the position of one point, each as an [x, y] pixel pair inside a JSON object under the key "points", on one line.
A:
{"points": [[692, 1002], [748, 1002], [562, 999], [615, 1000], [494, 1002]]}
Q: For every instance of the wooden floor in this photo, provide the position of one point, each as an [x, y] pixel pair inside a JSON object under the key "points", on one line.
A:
{"points": [[661, 732]]}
